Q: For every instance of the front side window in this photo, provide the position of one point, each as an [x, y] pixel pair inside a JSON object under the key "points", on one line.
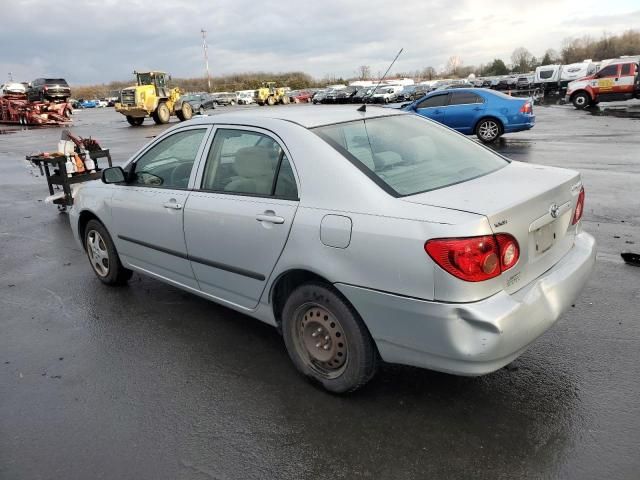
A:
{"points": [[435, 101], [250, 163], [610, 71], [406, 154], [169, 162], [626, 69], [545, 74]]}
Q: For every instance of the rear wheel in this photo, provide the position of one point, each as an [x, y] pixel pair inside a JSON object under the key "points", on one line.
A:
{"points": [[581, 100], [326, 339], [185, 113], [103, 255], [135, 121], [488, 130], [162, 114], [285, 100]]}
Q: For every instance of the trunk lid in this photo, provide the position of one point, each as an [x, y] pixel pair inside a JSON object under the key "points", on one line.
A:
{"points": [[533, 203]]}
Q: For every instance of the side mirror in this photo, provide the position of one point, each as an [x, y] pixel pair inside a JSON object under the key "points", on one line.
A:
{"points": [[113, 175]]}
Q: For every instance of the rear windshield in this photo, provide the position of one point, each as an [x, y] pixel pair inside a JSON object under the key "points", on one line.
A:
{"points": [[55, 81], [407, 154]]}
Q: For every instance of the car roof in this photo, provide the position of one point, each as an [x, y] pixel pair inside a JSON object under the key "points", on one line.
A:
{"points": [[308, 116]]}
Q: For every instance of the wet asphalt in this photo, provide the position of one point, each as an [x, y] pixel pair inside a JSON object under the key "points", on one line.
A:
{"points": [[148, 382]]}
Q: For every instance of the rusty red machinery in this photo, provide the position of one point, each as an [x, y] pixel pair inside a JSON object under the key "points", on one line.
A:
{"points": [[15, 108]]}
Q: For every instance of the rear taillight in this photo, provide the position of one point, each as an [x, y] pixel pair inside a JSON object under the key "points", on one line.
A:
{"points": [[526, 108], [579, 207], [474, 259]]}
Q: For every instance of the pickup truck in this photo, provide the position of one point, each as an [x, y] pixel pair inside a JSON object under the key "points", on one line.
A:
{"points": [[618, 80]]}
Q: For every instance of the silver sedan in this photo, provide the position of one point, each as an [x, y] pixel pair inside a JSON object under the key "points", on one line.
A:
{"points": [[362, 236]]}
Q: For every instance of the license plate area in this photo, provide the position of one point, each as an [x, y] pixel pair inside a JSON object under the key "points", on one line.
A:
{"points": [[544, 238]]}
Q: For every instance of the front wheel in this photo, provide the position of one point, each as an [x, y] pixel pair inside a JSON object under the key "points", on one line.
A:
{"points": [[135, 121], [581, 100], [488, 130], [185, 113], [326, 339], [103, 255], [162, 114]]}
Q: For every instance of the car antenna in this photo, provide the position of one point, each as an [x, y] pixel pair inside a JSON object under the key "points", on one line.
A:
{"points": [[363, 108]]}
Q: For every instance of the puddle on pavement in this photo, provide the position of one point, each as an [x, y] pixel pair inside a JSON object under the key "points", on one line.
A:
{"points": [[620, 112]]}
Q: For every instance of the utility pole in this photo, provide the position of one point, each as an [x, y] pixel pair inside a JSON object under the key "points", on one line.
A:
{"points": [[206, 57]]}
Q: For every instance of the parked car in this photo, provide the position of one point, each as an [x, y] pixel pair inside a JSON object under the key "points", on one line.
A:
{"points": [[385, 94], [346, 94], [361, 95], [524, 82], [88, 103], [199, 102], [431, 251], [300, 96], [485, 113], [245, 98], [225, 98], [49, 89], [101, 103]]}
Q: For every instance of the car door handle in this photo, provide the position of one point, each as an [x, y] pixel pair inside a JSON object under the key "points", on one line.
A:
{"points": [[173, 205], [270, 217], [477, 109]]}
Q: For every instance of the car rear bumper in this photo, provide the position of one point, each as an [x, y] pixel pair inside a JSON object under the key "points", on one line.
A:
{"points": [[529, 123], [473, 338]]}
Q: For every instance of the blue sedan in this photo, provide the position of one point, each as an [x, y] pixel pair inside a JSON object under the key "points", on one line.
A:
{"points": [[485, 113]]}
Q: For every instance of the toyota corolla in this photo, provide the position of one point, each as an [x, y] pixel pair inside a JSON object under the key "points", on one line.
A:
{"points": [[362, 236]]}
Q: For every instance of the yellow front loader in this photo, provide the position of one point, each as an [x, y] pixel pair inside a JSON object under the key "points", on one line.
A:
{"points": [[152, 97], [269, 94]]}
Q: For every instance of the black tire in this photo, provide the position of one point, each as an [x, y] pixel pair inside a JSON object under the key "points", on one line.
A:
{"points": [[135, 121], [103, 256], [347, 359], [271, 101], [162, 114], [581, 100], [185, 112], [201, 110], [489, 130]]}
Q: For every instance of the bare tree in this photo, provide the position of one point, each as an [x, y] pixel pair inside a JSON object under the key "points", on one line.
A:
{"points": [[453, 64], [521, 59], [364, 72], [429, 73]]}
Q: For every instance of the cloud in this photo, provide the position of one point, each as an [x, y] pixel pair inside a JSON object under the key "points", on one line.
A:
{"points": [[99, 41]]}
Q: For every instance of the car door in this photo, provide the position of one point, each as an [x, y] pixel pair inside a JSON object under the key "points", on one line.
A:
{"points": [[237, 221], [626, 82], [433, 107], [606, 80], [464, 111], [147, 211]]}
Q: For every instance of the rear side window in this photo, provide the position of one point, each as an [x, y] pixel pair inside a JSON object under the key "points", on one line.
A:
{"points": [[544, 74], [435, 101], [250, 163], [406, 154], [626, 69], [464, 98]]}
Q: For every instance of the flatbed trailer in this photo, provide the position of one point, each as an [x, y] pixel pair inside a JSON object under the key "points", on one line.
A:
{"points": [[16, 109]]}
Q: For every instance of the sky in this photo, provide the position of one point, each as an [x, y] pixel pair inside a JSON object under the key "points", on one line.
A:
{"points": [[91, 41]]}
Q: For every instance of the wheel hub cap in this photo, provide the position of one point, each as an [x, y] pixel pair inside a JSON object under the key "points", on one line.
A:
{"points": [[322, 337]]}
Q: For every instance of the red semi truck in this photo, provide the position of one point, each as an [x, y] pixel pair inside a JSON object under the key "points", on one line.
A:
{"points": [[617, 80]]}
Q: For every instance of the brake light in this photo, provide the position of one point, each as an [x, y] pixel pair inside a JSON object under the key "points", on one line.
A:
{"points": [[474, 259], [526, 108], [579, 207]]}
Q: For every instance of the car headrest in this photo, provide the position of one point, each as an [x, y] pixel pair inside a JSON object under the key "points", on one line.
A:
{"points": [[252, 162]]}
